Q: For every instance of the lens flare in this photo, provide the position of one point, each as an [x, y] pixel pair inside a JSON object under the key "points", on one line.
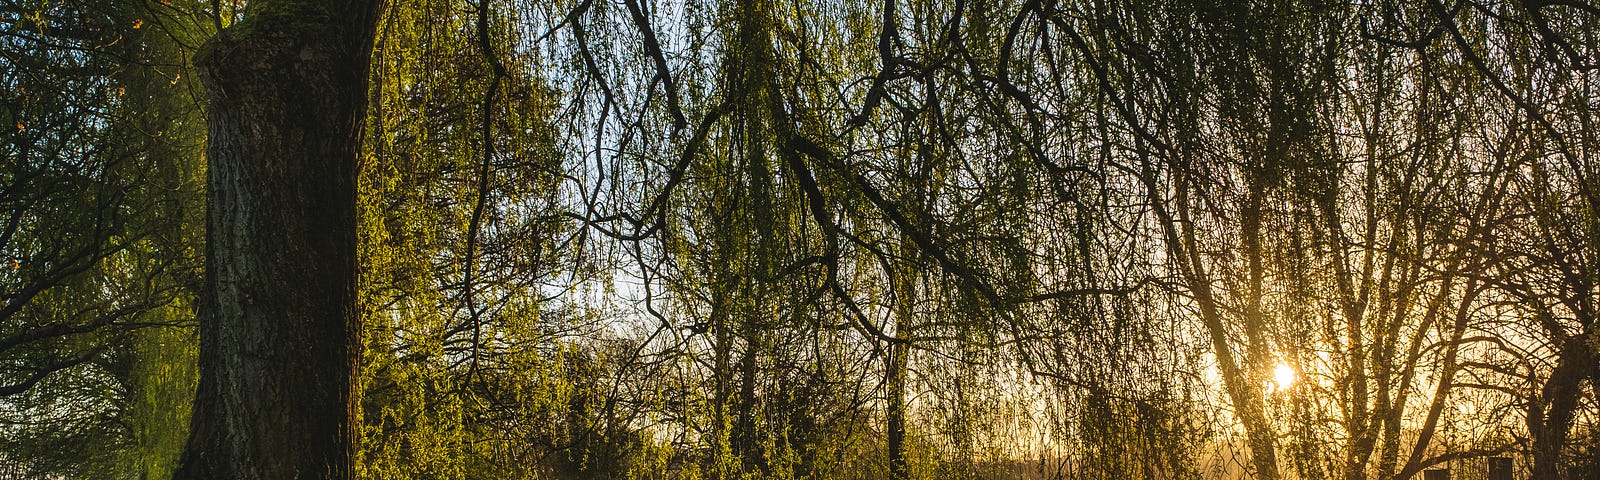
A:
{"points": [[1283, 377]]}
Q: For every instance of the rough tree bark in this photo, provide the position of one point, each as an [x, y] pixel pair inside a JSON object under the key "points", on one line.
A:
{"points": [[279, 337]]}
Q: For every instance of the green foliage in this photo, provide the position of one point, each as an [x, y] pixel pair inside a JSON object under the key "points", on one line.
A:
{"points": [[746, 239], [102, 203], [458, 386]]}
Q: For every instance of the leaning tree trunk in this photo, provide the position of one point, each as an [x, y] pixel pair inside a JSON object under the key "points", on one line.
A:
{"points": [[279, 337]]}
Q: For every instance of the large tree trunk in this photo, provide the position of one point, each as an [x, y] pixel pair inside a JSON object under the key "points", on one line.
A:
{"points": [[279, 336]]}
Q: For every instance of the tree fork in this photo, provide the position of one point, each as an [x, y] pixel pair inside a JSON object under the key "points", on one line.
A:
{"points": [[279, 336]]}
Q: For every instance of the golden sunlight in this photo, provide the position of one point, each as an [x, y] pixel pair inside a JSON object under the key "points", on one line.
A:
{"points": [[1283, 377]]}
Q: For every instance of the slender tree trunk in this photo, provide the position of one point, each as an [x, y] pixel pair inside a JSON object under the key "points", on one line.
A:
{"points": [[747, 441], [1550, 416], [279, 335], [904, 284], [1258, 352], [896, 412], [1242, 382]]}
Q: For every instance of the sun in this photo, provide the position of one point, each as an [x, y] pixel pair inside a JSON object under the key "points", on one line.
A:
{"points": [[1283, 377]]}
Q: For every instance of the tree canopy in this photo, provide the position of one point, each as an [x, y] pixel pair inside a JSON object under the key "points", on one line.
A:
{"points": [[800, 239]]}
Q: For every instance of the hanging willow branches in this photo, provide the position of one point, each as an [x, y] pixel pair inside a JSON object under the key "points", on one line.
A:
{"points": [[865, 239]]}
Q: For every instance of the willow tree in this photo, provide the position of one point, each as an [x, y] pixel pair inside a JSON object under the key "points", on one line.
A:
{"points": [[98, 196], [1538, 59], [279, 337], [457, 240]]}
